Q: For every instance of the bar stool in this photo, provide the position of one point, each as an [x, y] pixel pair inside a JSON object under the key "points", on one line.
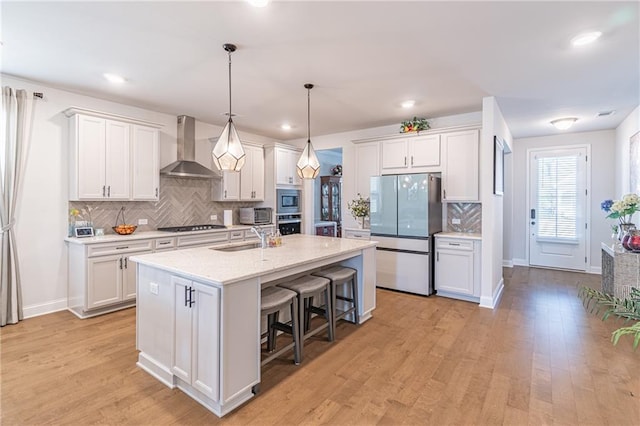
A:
{"points": [[307, 288], [339, 275], [272, 300]]}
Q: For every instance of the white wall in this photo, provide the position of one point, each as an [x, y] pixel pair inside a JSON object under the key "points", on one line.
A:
{"points": [[629, 127], [493, 124], [602, 187], [42, 210]]}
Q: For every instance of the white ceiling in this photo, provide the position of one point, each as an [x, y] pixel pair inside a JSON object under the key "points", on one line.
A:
{"points": [[365, 58]]}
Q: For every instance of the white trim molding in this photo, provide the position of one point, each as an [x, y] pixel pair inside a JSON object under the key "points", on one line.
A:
{"points": [[520, 262], [44, 308], [492, 302], [507, 263]]}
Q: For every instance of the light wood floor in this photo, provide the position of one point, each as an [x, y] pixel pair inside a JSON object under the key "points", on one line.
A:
{"points": [[539, 358]]}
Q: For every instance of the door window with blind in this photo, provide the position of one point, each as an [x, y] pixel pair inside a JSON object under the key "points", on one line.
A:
{"points": [[557, 184]]}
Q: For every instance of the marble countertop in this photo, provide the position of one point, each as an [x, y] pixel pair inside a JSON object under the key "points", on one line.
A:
{"points": [[463, 235], [110, 238], [220, 267]]}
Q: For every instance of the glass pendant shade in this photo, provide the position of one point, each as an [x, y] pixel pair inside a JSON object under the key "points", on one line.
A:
{"points": [[308, 166], [228, 154]]}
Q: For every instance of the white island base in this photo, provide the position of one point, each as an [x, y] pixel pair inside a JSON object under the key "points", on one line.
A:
{"points": [[198, 311]]}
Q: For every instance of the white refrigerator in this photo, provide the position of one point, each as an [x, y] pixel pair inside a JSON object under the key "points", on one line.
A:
{"points": [[405, 212]]}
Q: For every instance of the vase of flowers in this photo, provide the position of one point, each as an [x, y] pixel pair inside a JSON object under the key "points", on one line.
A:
{"points": [[359, 209], [623, 210]]}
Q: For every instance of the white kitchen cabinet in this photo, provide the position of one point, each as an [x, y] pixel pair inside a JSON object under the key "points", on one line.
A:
{"points": [[457, 268], [285, 167], [460, 175], [101, 154], [196, 353], [227, 188], [145, 173], [252, 174], [101, 277], [367, 165], [356, 234], [414, 154]]}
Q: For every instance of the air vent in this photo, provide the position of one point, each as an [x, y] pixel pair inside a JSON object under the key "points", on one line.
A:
{"points": [[605, 113]]}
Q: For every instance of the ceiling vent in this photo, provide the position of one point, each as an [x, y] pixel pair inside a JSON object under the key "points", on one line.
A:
{"points": [[605, 113]]}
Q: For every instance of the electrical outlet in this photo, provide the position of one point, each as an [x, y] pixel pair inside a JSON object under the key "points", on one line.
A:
{"points": [[455, 221], [214, 217], [142, 221], [154, 288]]}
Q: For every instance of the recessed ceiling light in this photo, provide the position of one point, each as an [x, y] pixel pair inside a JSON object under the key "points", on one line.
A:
{"points": [[585, 38], [286, 126], [605, 113], [408, 104], [258, 3], [564, 123], [114, 78]]}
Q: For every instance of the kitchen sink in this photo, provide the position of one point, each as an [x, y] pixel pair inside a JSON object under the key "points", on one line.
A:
{"points": [[239, 247]]}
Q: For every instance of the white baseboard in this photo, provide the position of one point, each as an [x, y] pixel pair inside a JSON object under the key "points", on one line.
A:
{"points": [[520, 262], [44, 308], [507, 263], [492, 302]]}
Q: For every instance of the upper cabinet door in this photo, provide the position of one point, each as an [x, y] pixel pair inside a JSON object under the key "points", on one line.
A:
{"points": [[461, 169], [394, 154], [424, 151], [367, 166], [286, 161], [117, 155], [145, 162], [258, 173], [89, 143], [252, 175]]}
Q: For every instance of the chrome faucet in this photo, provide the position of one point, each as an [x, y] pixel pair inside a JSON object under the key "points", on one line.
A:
{"points": [[261, 234]]}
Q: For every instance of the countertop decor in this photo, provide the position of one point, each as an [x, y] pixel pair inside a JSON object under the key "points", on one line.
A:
{"points": [[414, 125], [359, 208], [623, 210]]}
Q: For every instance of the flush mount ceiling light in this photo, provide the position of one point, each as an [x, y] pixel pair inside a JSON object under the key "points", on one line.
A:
{"points": [[114, 78], [408, 104], [285, 126], [308, 166], [585, 38], [228, 154], [258, 3], [564, 123]]}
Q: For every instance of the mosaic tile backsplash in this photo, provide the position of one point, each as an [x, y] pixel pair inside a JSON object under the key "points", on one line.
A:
{"points": [[183, 201], [470, 215]]}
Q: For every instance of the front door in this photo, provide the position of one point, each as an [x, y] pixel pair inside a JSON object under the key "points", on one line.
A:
{"points": [[557, 208]]}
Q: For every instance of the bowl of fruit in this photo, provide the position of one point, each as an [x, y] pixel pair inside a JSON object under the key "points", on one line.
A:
{"points": [[122, 228]]}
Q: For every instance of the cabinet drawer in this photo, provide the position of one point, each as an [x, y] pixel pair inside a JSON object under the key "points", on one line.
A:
{"points": [[236, 235], [249, 235], [165, 243], [209, 238], [359, 235], [117, 248], [453, 244]]}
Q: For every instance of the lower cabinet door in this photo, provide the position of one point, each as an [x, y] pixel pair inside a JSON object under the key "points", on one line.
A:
{"points": [[206, 353], [181, 359], [129, 276], [104, 278], [196, 351], [454, 271]]}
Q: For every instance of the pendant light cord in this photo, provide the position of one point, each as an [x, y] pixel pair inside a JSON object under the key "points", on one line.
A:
{"points": [[229, 85], [309, 115]]}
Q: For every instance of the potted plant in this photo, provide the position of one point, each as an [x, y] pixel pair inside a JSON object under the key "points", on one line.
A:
{"points": [[359, 208]]}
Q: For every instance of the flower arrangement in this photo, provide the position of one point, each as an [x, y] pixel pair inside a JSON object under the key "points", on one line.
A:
{"points": [[337, 170], [415, 125], [359, 207], [623, 209]]}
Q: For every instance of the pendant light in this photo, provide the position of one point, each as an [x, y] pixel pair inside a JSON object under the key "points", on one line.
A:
{"points": [[228, 154], [308, 166]]}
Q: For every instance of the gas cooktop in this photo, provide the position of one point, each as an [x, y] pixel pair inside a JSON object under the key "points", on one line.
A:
{"points": [[187, 228]]}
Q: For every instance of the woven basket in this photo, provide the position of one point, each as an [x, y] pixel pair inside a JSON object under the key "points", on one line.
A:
{"points": [[123, 228]]}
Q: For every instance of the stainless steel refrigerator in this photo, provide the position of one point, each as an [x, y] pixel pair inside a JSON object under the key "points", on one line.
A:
{"points": [[405, 212]]}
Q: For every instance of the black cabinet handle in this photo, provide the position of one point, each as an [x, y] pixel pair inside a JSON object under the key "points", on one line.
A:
{"points": [[120, 263], [125, 263], [191, 298], [186, 301]]}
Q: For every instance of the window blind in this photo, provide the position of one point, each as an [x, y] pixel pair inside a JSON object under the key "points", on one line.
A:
{"points": [[557, 197]]}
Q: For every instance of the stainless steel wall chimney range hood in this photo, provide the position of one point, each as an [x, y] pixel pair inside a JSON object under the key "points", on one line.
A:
{"points": [[186, 166]]}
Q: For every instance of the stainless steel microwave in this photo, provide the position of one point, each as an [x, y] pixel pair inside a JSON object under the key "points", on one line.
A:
{"points": [[289, 201], [255, 215]]}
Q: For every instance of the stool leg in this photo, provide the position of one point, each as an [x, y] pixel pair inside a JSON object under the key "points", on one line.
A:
{"points": [[301, 317], [356, 305], [334, 306], [297, 353], [308, 303], [271, 331], [329, 312]]}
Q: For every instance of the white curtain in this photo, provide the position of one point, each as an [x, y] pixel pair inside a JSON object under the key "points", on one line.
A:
{"points": [[15, 127]]}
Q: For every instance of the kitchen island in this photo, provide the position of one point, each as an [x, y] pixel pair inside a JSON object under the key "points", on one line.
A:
{"points": [[198, 322]]}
